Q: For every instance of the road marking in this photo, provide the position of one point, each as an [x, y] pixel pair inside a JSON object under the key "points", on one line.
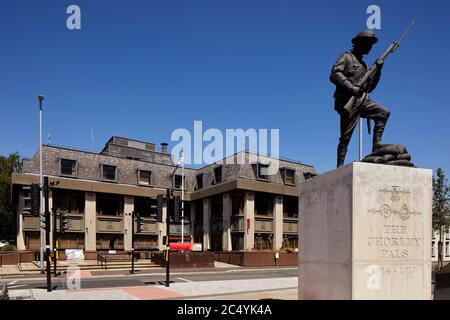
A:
{"points": [[16, 286], [186, 280], [11, 283]]}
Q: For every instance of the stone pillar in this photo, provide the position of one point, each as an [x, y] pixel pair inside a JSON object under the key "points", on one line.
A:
{"points": [[278, 223], [365, 233], [90, 222], [192, 204], [162, 227], [249, 213], [20, 234], [206, 223], [226, 237], [127, 223]]}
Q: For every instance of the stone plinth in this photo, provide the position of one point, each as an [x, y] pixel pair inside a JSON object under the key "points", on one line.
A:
{"points": [[365, 233]]}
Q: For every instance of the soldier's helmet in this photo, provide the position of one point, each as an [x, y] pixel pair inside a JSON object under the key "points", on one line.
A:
{"points": [[365, 34]]}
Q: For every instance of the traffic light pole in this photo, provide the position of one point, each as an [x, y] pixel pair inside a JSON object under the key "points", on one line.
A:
{"points": [[132, 242], [47, 234], [167, 237], [54, 241]]}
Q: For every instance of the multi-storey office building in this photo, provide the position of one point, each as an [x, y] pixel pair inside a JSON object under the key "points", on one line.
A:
{"points": [[228, 206]]}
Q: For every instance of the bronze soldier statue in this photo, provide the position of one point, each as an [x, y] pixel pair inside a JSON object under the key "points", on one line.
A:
{"points": [[346, 73]]}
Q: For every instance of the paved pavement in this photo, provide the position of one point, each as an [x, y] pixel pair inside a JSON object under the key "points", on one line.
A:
{"points": [[235, 283], [273, 288]]}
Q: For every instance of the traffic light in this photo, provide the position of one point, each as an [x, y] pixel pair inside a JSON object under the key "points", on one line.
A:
{"points": [[63, 222], [35, 199], [176, 209], [43, 221], [160, 205], [139, 223], [165, 240]]}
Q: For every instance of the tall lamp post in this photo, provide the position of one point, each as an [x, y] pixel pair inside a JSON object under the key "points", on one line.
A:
{"points": [[182, 196], [41, 182]]}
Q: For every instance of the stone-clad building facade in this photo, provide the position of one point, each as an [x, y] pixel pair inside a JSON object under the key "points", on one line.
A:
{"points": [[230, 205]]}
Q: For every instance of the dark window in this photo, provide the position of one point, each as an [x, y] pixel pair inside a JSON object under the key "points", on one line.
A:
{"points": [[237, 204], [290, 207], [199, 181], [108, 204], [68, 201], [218, 174], [199, 210], [144, 177], [109, 172], [264, 204], [309, 175], [288, 175], [261, 171], [178, 181], [146, 207], [68, 167], [217, 206]]}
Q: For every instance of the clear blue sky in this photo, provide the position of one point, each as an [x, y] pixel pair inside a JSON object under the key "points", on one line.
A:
{"points": [[141, 69]]}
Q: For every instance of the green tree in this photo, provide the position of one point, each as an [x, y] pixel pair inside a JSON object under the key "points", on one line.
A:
{"points": [[441, 209], [8, 165]]}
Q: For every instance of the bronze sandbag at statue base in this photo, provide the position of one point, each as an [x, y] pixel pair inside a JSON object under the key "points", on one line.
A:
{"points": [[391, 154]]}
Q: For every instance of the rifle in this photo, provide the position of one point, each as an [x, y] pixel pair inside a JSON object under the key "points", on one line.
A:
{"points": [[351, 104]]}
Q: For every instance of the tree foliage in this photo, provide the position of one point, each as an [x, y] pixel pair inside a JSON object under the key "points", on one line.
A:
{"points": [[441, 203], [8, 165]]}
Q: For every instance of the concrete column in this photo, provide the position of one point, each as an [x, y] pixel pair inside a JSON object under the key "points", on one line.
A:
{"points": [[249, 213], [20, 234], [206, 223], [192, 204], [90, 222], [278, 222], [226, 238], [127, 223], [162, 227]]}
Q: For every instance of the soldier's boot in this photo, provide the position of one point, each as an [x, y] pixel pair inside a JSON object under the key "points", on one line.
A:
{"points": [[341, 152], [380, 124]]}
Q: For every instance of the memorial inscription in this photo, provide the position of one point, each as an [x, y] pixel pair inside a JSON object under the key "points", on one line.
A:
{"points": [[395, 242]]}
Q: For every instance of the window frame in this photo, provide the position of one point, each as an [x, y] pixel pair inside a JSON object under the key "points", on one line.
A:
{"points": [[75, 175], [221, 174], [138, 176], [258, 171], [201, 177], [284, 171], [183, 181], [102, 166]]}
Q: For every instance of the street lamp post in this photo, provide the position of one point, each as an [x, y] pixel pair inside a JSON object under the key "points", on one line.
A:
{"points": [[182, 197], [41, 182]]}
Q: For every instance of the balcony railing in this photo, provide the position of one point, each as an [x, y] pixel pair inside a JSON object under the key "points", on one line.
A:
{"points": [[76, 222], [109, 224], [237, 224], [290, 226], [149, 226], [30, 223], [175, 229], [263, 224]]}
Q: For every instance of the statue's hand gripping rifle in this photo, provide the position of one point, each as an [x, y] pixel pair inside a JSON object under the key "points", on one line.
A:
{"points": [[364, 81]]}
